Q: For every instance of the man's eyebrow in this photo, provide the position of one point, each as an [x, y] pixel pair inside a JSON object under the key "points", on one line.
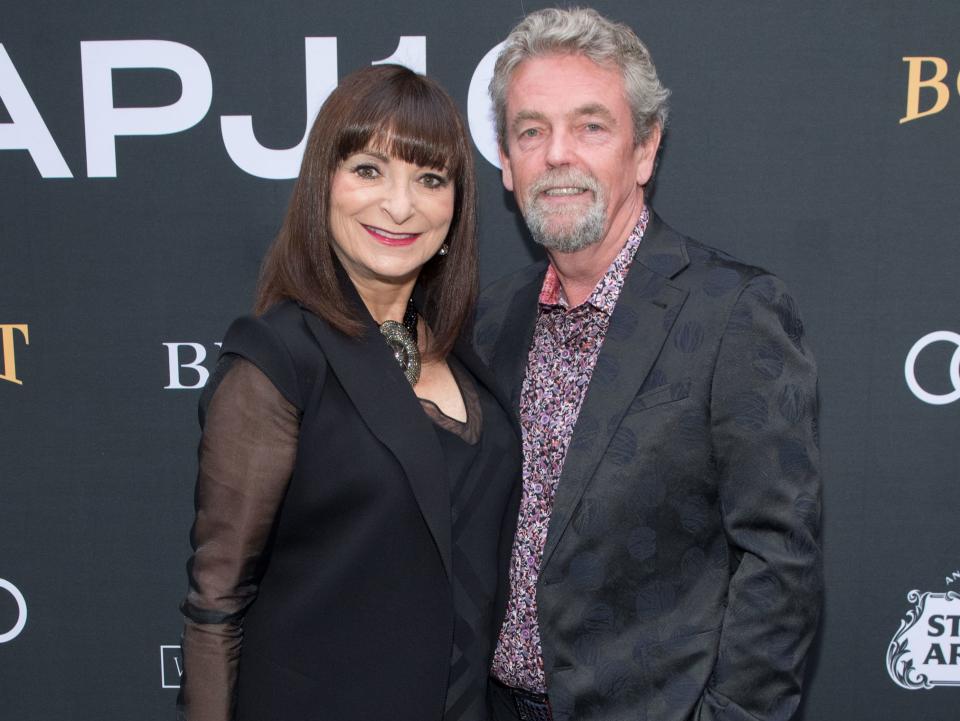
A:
{"points": [[525, 115], [597, 109]]}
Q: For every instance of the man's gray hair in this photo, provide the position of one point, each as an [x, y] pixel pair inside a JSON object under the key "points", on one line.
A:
{"points": [[583, 31]]}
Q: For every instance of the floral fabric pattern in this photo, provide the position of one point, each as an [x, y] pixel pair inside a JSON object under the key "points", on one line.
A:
{"points": [[563, 354]]}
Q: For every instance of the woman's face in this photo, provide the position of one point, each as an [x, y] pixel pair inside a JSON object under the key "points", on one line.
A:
{"points": [[388, 217]]}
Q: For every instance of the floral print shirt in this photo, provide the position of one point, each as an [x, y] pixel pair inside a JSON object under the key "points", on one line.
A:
{"points": [[566, 344]]}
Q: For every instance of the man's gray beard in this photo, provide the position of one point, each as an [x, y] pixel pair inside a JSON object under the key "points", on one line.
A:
{"points": [[581, 232]]}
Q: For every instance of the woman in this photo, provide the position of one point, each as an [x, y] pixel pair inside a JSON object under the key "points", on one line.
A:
{"points": [[356, 495]]}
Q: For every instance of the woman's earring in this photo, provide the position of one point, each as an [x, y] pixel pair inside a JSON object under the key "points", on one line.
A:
{"points": [[444, 249]]}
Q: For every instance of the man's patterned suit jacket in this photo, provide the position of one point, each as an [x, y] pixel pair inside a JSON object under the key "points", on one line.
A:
{"points": [[681, 577]]}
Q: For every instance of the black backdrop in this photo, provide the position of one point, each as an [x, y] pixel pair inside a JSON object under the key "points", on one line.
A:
{"points": [[786, 148]]}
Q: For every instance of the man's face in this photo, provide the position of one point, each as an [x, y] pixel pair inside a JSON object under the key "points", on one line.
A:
{"points": [[572, 163]]}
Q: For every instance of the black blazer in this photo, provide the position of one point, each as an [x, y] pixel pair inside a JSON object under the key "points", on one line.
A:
{"points": [[681, 574], [354, 618]]}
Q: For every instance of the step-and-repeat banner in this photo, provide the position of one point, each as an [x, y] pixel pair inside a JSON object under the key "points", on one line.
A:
{"points": [[146, 157]]}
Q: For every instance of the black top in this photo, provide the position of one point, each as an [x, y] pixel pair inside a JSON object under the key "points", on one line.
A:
{"points": [[475, 519], [323, 583]]}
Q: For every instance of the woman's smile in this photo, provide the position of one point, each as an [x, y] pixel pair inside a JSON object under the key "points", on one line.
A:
{"points": [[389, 238]]}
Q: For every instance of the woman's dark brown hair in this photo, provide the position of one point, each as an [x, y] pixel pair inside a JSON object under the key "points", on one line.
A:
{"points": [[410, 117]]}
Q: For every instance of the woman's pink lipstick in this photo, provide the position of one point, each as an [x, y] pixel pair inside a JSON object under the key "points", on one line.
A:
{"points": [[392, 239]]}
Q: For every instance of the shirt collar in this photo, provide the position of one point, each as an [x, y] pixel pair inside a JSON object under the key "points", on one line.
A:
{"points": [[605, 293]]}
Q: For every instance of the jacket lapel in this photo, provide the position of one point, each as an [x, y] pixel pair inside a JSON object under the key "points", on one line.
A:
{"points": [[385, 401], [644, 314], [509, 361]]}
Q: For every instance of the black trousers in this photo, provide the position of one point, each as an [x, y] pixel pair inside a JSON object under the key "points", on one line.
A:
{"points": [[504, 704], [501, 703]]}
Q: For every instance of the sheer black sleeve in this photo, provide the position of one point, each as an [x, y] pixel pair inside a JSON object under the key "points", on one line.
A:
{"points": [[247, 454]]}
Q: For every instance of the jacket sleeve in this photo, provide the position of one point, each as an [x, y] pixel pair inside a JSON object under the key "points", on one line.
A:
{"points": [[246, 457], [764, 429]]}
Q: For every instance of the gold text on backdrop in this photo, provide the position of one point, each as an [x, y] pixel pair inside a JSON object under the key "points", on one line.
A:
{"points": [[7, 338], [915, 83]]}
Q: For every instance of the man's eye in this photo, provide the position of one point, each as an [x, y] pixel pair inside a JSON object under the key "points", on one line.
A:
{"points": [[530, 133], [594, 127]]}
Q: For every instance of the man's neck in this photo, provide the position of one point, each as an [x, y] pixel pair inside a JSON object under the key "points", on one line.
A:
{"points": [[580, 271]]}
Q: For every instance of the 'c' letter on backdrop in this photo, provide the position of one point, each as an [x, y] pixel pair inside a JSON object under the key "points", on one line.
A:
{"points": [[21, 611], [480, 108]]}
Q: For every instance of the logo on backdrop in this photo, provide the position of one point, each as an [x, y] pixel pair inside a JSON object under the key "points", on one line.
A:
{"points": [[8, 361], [953, 370], [185, 365], [925, 77], [104, 122], [480, 118], [171, 666], [21, 602], [925, 652]]}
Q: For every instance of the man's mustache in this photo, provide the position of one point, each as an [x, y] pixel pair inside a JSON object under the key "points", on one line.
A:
{"points": [[564, 178]]}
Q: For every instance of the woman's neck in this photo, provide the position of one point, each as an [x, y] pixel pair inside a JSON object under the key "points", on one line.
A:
{"points": [[385, 301]]}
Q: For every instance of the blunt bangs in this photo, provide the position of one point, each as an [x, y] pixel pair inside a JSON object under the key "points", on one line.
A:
{"points": [[406, 119]]}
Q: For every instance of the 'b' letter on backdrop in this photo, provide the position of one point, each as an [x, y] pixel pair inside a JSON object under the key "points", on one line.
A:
{"points": [[914, 84]]}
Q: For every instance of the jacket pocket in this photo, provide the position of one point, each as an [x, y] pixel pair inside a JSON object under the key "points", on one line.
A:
{"points": [[669, 393]]}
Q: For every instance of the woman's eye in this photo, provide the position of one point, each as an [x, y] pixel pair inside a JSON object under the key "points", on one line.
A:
{"points": [[432, 180], [367, 172]]}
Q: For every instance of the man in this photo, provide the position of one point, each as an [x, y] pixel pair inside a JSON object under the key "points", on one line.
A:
{"points": [[666, 565]]}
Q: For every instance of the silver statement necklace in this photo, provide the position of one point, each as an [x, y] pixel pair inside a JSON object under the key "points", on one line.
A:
{"points": [[402, 339]]}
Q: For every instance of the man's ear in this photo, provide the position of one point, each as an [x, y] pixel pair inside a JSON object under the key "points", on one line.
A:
{"points": [[506, 172], [646, 155]]}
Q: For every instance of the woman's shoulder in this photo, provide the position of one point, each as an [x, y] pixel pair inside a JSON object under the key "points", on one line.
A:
{"points": [[286, 318], [281, 345]]}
